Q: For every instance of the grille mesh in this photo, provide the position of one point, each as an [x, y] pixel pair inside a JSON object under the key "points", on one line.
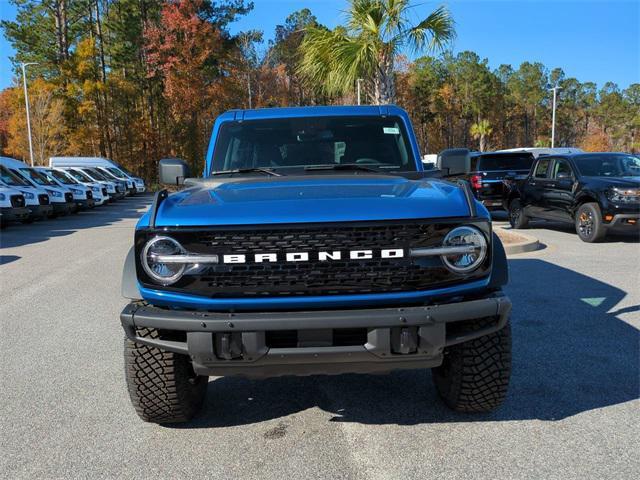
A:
{"points": [[314, 277], [17, 201]]}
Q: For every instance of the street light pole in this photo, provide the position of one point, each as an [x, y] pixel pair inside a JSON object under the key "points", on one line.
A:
{"points": [[26, 102], [358, 86], [553, 116]]}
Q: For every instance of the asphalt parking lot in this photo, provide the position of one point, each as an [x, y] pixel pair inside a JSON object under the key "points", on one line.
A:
{"points": [[573, 410]]}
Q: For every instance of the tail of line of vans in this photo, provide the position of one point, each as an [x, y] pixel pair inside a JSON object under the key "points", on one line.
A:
{"points": [[67, 185]]}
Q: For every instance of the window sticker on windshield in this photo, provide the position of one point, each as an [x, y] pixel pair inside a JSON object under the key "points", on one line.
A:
{"points": [[391, 130]]}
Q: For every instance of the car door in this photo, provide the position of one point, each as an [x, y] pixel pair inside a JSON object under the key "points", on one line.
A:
{"points": [[559, 190], [534, 189]]}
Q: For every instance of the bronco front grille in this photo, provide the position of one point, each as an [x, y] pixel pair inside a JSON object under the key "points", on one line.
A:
{"points": [[17, 200], [313, 277]]}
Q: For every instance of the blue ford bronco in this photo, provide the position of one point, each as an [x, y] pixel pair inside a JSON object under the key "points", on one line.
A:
{"points": [[314, 244]]}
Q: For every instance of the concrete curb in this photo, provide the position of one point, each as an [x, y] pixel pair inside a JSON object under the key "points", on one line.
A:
{"points": [[528, 245]]}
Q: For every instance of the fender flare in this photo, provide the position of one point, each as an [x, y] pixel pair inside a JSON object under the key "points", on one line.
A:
{"points": [[588, 194], [499, 265], [129, 277]]}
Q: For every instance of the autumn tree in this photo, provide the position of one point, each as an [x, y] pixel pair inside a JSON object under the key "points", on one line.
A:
{"points": [[48, 131], [6, 111], [191, 56]]}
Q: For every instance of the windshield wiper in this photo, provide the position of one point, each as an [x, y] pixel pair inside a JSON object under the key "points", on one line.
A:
{"points": [[247, 170], [341, 166]]}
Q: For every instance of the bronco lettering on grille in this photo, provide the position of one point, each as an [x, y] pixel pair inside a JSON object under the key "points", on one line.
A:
{"points": [[314, 256]]}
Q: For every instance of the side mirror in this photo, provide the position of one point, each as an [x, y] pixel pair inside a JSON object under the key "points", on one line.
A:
{"points": [[173, 171], [455, 164]]}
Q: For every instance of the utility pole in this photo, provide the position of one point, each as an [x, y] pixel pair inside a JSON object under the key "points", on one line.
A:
{"points": [[553, 116], [26, 102], [358, 87]]}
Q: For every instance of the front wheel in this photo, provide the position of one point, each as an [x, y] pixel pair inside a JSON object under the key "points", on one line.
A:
{"points": [[589, 225], [517, 217], [162, 385], [474, 375]]}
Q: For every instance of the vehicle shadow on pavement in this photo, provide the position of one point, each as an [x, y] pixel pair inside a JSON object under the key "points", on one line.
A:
{"points": [[570, 355], [4, 259], [17, 235], [615, 236]]}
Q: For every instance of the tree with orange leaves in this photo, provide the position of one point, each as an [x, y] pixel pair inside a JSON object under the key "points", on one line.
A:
{"points": [[191, 56]]}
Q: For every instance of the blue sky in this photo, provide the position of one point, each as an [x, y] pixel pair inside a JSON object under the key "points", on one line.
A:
{"points": [[591, 40]]}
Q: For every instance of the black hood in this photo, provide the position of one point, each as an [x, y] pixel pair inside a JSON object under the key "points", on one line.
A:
{"points": [[620, 182]]}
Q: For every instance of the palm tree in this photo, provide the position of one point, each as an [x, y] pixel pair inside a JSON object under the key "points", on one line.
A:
{"points": [[375, 32], [481, 130]]}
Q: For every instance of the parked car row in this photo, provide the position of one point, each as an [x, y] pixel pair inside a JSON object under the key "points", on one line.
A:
{"points": [[68, 185], [597, 192]]}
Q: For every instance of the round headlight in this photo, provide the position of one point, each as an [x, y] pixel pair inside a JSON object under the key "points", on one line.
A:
{"points": [[163, 273], [470, 258]]}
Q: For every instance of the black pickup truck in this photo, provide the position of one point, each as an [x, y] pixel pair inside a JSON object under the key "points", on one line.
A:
{"points": [[597, 192]]}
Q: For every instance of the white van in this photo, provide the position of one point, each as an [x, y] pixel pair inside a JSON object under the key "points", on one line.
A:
{"points": [[82, 194], [36, 199], [12, 206], [109, 165], [126, 183], [100, 194], [61, 198], [115, 192]]}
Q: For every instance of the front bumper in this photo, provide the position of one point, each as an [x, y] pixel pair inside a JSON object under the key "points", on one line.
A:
{"points": [[241, 343], [14, 214], [624, 221], [40, 211], [62, 208], [85, 203]]}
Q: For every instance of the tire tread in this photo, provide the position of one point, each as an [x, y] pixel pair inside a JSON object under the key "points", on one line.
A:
{"points": [[161, 384], [475, 375]]}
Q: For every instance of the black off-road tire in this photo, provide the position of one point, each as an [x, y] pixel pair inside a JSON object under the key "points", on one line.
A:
{"points": [[162, 385], [589, 225], [474, 376], [517, 217]]}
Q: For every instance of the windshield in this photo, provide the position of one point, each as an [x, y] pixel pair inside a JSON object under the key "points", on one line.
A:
{"points": [[375, 142], [38, 177], [93, 173], [80, 176], [502, 162], [608, 165], [62, 177], [115, 172], [105, 174], [11, 178]]}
